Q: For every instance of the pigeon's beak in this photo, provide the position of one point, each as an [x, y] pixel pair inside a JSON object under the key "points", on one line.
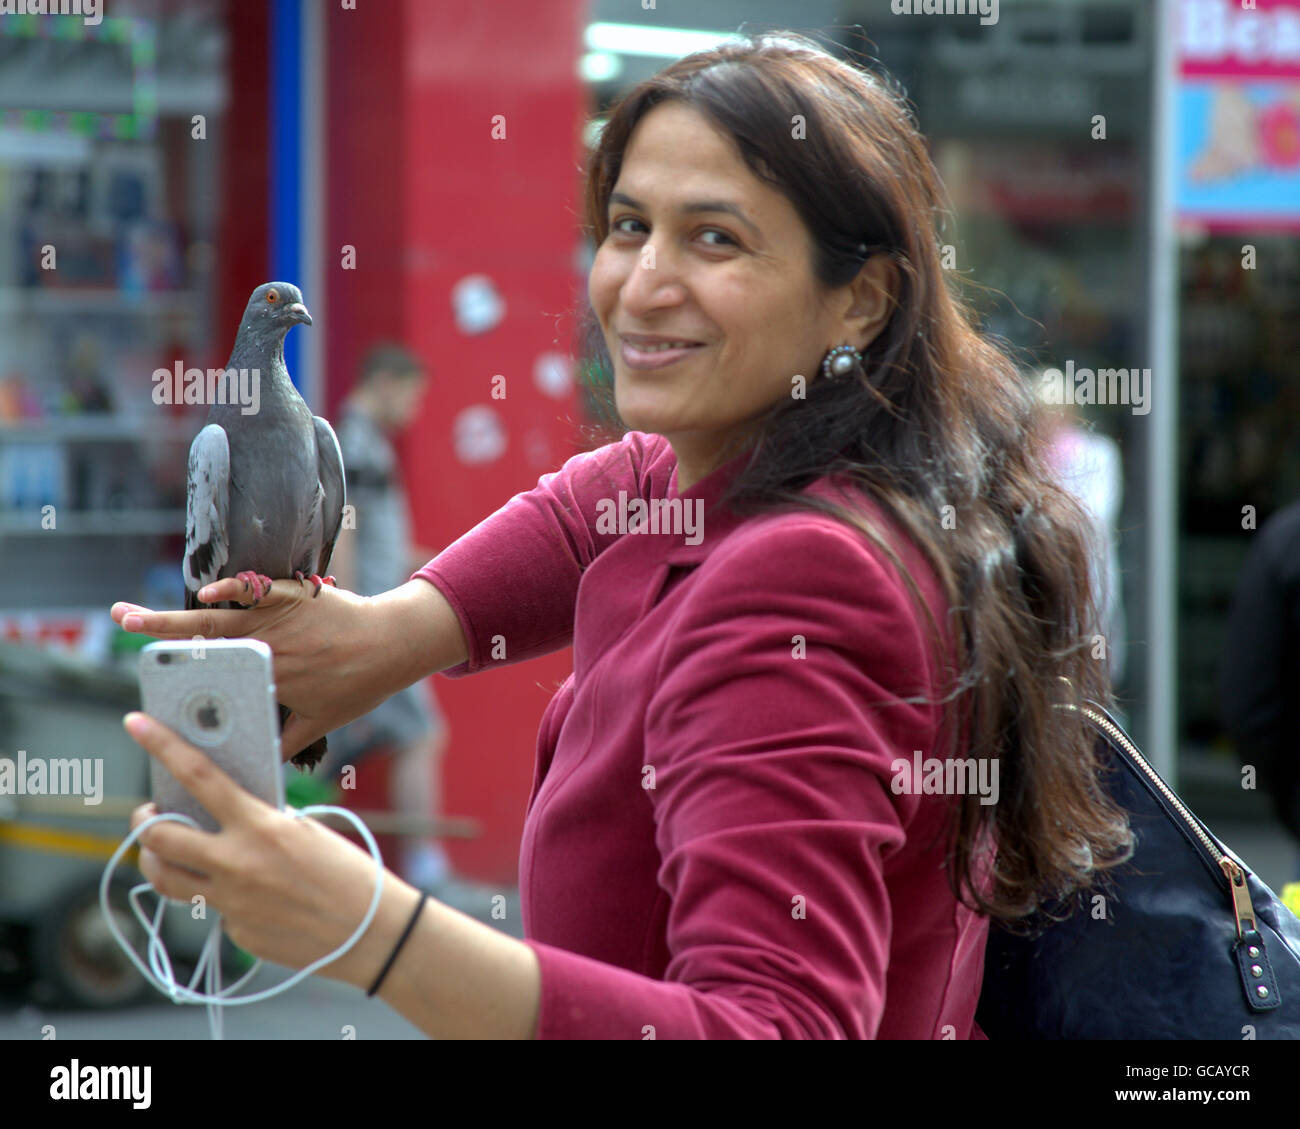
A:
{"points": [[299, 313]]}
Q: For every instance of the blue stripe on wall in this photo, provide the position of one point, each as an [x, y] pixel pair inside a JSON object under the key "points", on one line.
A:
{"points": [[285, 156]]}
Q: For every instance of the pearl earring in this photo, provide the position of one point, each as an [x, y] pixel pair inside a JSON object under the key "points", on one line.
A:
{"points": [[840, 361]]}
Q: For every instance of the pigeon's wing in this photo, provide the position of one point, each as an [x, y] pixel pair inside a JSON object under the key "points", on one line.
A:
{"points": [[330, 458], [207, 507]]}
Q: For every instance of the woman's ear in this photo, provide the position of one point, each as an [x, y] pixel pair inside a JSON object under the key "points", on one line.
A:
{"points": [[873, 297]]}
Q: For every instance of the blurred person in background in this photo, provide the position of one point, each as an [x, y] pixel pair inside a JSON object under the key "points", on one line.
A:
{"points": [[1089, 465], [1258, 701], [372, 558]]}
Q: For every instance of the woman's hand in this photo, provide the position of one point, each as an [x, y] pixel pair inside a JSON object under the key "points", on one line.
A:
{"points": [[289, 890], [323, 650], [336, 655]]}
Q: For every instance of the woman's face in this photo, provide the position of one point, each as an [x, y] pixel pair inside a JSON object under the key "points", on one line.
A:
{"points": [[700, 250]]}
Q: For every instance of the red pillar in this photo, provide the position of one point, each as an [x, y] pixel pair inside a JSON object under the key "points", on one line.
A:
{"points": [[365, 161], [243, 232], [427, 195]]}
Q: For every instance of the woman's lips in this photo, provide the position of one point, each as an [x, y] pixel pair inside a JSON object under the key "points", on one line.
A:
{"points": [[641, 359]]}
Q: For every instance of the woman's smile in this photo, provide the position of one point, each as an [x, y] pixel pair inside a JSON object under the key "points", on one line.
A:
{"points": [[645, 356]]}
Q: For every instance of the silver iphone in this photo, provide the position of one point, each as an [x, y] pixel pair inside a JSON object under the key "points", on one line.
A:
{"points": [[219, 694]]}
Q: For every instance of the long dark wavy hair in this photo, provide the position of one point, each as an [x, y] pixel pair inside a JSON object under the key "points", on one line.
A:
{"points": [[938, 416]]}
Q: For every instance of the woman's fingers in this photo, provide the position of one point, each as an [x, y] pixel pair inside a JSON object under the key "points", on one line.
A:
{"points": [[211, 623], [122, 608], [181, 625]]}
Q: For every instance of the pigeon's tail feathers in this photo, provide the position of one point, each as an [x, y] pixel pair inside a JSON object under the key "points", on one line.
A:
{"points": [[313, 754], [207, 510], [333, 489]]}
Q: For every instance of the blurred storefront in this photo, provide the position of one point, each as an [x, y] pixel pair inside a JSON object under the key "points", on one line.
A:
{"points": [[1041, 127], [108, 241], [1237, 182]]}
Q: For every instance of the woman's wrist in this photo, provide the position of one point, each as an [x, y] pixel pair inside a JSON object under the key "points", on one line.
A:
{"points": [[420, 627], [363, 963]]}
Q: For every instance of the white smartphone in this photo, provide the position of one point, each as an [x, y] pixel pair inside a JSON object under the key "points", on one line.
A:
{"points": [[219, 694]]}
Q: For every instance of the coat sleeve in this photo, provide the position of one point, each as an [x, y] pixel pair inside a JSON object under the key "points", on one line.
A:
{"points": [[773, 735], [513, 578]]}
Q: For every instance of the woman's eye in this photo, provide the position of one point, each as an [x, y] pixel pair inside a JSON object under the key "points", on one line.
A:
{"points": [[715, 231], [616, 226]]}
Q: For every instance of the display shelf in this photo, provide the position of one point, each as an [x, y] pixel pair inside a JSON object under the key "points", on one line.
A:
{"points": [[19, 300], [97, 523], [136, 217], [101, 428]]}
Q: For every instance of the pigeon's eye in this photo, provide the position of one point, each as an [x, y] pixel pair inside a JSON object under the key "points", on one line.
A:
{"points": [[272, 296]]}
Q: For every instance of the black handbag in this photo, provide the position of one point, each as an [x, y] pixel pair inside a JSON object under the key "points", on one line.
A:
{"points": [[1192, 945]]}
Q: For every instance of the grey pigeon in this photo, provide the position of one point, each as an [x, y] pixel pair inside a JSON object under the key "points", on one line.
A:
{"points": [[265, 491]]}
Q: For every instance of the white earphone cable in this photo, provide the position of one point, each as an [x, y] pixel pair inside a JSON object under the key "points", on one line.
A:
{"points": [[160, 974]]}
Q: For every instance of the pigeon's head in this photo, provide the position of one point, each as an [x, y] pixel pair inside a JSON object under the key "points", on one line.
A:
{"points": [[274, 309]]}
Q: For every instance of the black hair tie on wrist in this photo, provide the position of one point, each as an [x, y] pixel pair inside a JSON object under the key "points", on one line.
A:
{"points": [[400, 942]]}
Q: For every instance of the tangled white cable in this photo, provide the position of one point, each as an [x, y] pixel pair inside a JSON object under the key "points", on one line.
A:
{"points": [[159, 973]]}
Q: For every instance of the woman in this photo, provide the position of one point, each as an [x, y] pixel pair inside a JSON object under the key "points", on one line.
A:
{"points": [[735, 829]]}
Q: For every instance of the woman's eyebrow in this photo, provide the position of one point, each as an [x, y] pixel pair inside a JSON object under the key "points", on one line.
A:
{"points": [[692, 207]]}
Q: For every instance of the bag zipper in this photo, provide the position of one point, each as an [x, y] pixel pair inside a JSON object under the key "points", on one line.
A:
{"points": [[1242, 908]]}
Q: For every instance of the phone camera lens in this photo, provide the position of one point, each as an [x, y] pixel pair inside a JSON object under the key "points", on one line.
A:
{"points": [[164, 658]]}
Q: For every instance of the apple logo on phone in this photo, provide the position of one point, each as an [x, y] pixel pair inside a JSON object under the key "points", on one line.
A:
{"points": [[207, 718]]}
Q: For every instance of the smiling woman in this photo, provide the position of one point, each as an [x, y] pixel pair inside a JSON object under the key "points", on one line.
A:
{"points": [[775, 208], [809, 745]]}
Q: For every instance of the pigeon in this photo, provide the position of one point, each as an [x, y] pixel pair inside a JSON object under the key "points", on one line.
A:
{"points": [[265, 491]]}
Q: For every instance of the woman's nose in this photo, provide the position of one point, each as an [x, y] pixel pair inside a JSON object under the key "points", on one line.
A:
{"points": [[652, 280]]}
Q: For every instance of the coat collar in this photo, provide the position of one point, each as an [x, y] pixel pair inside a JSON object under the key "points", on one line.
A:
{"points": [[717, 520]]}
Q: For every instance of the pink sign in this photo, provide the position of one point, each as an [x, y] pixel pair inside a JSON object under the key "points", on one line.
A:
{"points": [[1239, 38]]}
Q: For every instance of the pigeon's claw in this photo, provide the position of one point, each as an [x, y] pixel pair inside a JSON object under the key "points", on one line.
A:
{"points": [[316, 580], [330, 581], [256, 583]]}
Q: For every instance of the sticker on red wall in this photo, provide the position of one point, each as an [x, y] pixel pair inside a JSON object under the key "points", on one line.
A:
{"points": [[477, 304], [479, 435], [553, 375]]}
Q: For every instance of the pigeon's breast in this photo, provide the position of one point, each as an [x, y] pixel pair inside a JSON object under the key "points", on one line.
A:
{"points": [[274, 485]]}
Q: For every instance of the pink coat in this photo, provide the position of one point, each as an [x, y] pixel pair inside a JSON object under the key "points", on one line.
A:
{"points": [[714, 846]]}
